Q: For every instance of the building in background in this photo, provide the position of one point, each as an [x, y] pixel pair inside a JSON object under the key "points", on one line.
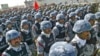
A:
{"points": [[4, 6], [41, 2], [28, 3]]}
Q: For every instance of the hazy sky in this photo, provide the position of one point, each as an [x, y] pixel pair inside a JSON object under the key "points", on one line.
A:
{"points": [[12, 2], [21, 2]]}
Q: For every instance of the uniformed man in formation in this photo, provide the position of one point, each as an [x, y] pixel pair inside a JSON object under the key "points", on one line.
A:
{"points": [[16, 47], [54, 30]]}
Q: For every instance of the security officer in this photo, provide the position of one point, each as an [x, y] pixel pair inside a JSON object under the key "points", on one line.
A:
{"points": [[3, 21], [9, 26], [82, 29], [62, 48], [68, 12], [78, 14], [97, 21], [30, 19], [45, 40], [59, 29], [36, 31], [97, 29], [47, 16], [69, 25], [26, 34], [3, 44], [24, 16], [14, 22], [16, 47], [90, 17], [82, 12], [63, 12], [97, 24], [53, 18], [89, 9], [97, 51]]}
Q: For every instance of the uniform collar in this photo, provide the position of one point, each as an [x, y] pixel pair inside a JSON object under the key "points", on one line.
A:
{"points": [[37, 22], [59, 24], [47, 35], [80, 41], [52, 20], [16, 48], [27, 31], [77, 16]]}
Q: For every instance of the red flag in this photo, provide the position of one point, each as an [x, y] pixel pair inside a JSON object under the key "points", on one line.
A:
{"points": [[36, 5]]}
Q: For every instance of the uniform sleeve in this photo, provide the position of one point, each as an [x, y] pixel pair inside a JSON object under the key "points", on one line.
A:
{"points": [[5, 54], [54, 37], [34, 32], [55, 31], [28, 50], [4, 32], [95, 27], [40, 45], [68, 29], [66, 25]]}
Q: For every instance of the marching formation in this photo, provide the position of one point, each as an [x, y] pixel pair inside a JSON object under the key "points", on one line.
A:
{"points": [[51, 31]]}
